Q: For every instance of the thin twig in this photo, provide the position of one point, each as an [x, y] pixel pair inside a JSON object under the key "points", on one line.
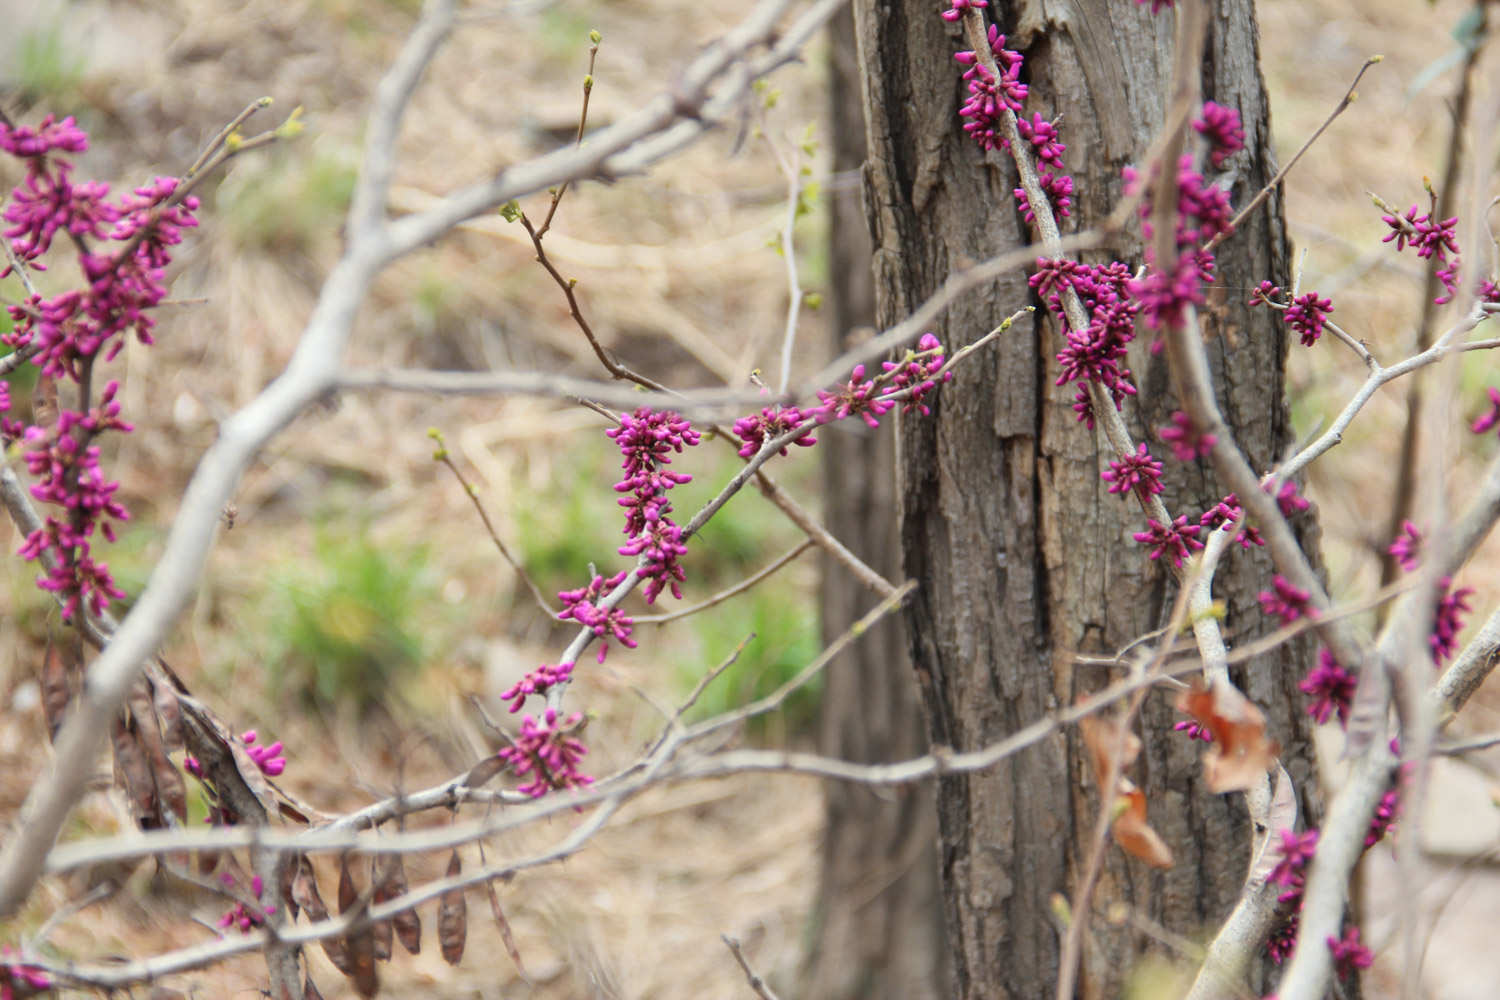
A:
{"points": [[751, 976]]}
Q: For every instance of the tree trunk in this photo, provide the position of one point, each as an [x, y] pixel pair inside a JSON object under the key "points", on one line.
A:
{"points": [[1024, 559], [878, 921]]}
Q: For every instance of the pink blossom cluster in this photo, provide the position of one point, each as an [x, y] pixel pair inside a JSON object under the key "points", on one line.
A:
{"points": [[244, 917], [545, 751], [647, 439], [1407, 548], [1203, 213], [1184, 438], [1349, 954], [67, 333], [538, 681], [606, 623], [1489, 418], [1431, 239], [1222, 128], [65, 465], [269, 758], [1139, 472], [920, 373], [1095, 354], [989, 98], [1296, 850], [1447, 620], [1331, 689], [1176, 541], [1306, 314], [1227, 511], [17, 979], [1286, 601], [772, 422], [859, 397]]}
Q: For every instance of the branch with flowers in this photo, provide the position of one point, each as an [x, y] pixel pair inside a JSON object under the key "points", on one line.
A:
{"points": [[1294, 898]]}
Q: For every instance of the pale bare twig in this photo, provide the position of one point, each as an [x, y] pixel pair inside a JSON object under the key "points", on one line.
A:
{"points": [[751, 976]]}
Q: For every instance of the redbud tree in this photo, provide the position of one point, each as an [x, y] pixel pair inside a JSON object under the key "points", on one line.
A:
{"points": [[1117, 617]]}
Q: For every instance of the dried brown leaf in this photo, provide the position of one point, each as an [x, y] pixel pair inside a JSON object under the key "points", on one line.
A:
{"points": [[1101, 736], [383, 931], [1134, 834], [171, 791], [505, 934], [453, 917], [1240, 753]]}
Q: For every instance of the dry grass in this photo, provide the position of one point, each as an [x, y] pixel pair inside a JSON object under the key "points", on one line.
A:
{"points": [[675, 272]]}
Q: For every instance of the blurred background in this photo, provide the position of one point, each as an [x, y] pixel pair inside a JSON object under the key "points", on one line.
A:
{"points": [[356, 602]]}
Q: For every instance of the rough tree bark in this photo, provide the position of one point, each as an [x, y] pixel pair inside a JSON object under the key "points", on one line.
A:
{"points": [[1023, 557], [876, 933]]}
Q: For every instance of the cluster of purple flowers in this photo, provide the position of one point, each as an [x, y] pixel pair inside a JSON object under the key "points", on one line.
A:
{"points": [[537, 681], [244, 917], [919, 372], [1447, 619], [1203, 214], [547, 752], [1432, 239], [1489, 418], [1331, 689], [1095, 354], [772, 422], [17, 979], [647, 439], [1183, 437], [268, 758], [1296, 850], [1227, 511], [1306, 314], [1222, 128], [1286, 601], [1175, 541], [606, 623], [1138, 471], [68, 332], [988, 97]]}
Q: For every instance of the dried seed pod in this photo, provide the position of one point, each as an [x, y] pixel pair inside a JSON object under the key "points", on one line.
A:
{"points": [[453, 917]]}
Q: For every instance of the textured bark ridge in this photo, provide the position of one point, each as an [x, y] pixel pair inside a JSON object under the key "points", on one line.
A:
{"points": [[877, 927], [1023, 557]]}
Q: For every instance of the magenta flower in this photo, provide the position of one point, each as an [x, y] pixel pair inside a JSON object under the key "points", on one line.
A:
{"points": [[1306, 315], [1176, 541], [771, 422], [537, 681], [1348, 954], [959, 6], [1448, 620], [857, 397], [1296, 850], [17, 979], [1331, 689], [1431, 240], [647, 439], [1288, 500], [1194, 730], [1407, 548], [1226, 511], [1222, 128], [1490, 417], [988, 98], [545, 751], [268, 758], [1043, 135], [1138, 471], [1286, 601], [1386, 814], [919, 373], [580, 606], [1183, 438]]}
